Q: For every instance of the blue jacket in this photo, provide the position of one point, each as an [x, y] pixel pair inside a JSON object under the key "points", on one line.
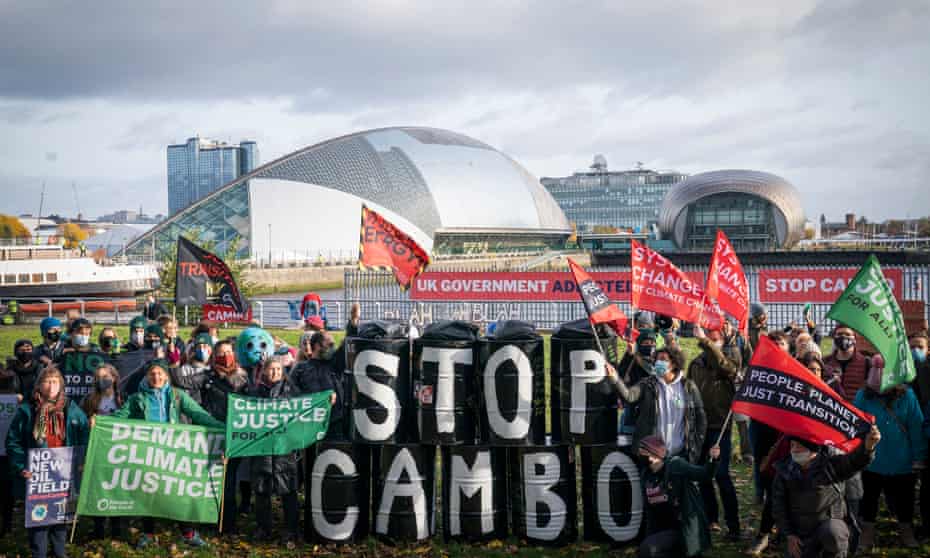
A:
{"points": [[903, 439]]}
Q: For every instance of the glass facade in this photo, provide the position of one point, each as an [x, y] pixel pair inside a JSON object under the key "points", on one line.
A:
{"points": [[200, 166], [747, 220], [625, 199]]}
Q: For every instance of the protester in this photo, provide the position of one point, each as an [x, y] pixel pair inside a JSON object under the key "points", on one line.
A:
{"points": [[154, 340], [921, 386], [814, 362], [226, 377], [52, 345], [304, 349], [288, 358], [104, 399], [156, 401], [318, 374], [79, 333], [207, 327], [899, 418], [25, 366], [809, 503], [314, 324], [136, 334], [780, 338], [714, 373], [174, 345], [738, 350], [758, 323], [9, 385], [675, 521], [805, 344], [193, 374], [275, 475], [153, 309], [48, 419], [109, 342], [355, 314], [636, 365], [851, 365], [670, 405]]}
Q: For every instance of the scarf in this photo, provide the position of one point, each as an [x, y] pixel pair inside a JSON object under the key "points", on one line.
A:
{"points": [[49, 413]]}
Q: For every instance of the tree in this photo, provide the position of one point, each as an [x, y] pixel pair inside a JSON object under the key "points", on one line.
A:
{"points": [[168, 271], [73, 235], [12, 227]]}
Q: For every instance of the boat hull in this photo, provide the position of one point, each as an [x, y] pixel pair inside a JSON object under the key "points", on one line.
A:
{"points": [[96, 289]]}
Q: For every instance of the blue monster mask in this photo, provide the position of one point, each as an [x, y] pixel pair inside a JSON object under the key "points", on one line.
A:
{"points": [[253, 345]]}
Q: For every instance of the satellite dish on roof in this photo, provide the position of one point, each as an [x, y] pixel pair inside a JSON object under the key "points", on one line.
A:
{"points": [[600, 162]]}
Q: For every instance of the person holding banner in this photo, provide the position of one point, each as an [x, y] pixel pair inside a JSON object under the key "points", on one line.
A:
{"points": [[675, 520], [809, 503], [317, 374], [49, 419], [715, 373], [275, 475], [156, 401], [636, 365], [104, 399], [670, 405], [899, 418]]}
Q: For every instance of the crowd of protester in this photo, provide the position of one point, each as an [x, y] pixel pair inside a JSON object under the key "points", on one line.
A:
{"points": [[813, 500]]}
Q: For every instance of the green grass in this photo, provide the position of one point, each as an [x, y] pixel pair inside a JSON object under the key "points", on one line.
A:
{"points": [[227, 546]]}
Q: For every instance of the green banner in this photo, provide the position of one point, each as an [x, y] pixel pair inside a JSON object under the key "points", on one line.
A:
{"points": [[869, 307], [134, 467], [257, 426]]}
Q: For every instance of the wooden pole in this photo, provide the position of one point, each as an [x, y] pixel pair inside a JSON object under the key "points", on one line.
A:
{"points": [[223, 494], [73, 527], [724, 429]]}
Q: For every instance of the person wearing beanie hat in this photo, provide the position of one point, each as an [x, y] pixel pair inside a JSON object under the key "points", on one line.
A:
{"points": [[25, 366], [809, 499], [903, 452], [136, 334], [675, 521], [758, 323]]}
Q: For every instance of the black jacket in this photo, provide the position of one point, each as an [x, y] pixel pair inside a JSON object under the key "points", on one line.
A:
{"points": [[27, 375], [274, 474], [216, 389], [191, 377], [637, 371], [314, 375]]}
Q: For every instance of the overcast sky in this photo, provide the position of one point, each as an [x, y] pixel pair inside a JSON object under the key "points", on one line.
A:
{"points": [[834, 95]]}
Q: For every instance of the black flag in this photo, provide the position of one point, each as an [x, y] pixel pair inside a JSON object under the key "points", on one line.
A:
{"points": [[195, 267]]}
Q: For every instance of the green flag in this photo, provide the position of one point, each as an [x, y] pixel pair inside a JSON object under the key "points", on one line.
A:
{"points": [[135, 467], [258, 426], [869, 307]]}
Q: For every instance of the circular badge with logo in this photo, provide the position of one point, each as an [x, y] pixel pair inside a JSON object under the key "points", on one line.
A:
{"points": [[39, 513]]}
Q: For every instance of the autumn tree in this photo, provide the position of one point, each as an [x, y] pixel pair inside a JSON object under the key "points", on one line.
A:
{"points": [[73, 235], [12, 227]]}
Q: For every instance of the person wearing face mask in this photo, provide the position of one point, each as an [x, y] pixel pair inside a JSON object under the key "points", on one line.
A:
{"points": [[104, 399], [918, 342], [136, 334], [809, 504], [25, 366], [758, 323], [52, 345], [157, 401], [850, 364], [899, 418], [154, 340], [318, 374], [46, 419], [636, 365], [193, 374], [675, 521], [670, 405], [79, 337], [225, 377], [275, 475], [715, 374], [109, 342]]}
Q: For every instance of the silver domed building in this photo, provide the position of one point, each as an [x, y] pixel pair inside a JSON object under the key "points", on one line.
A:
{"points": [[757, 211], [447, 190]]}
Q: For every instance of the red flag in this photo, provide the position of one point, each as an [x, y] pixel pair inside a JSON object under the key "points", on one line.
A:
{"points": [[780, 392], [661, 287], [598, 306], [381, 245], [726, 282]]}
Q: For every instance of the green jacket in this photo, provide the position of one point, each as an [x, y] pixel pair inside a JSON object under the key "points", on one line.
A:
{"points": [[679, 480], [715, 376], [19, 439], [136, 407]]}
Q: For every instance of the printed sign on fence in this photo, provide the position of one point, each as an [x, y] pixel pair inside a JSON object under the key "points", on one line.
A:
{"points": [[134, 467], [52, 490], [224, 313], [815, 285], [8, 404]]}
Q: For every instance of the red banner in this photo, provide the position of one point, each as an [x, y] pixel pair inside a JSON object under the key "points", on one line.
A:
{"points": [[780, 392], [815, 285], [661, 287], [726, 282], [381, 245], [223, 313], [597, 304]]}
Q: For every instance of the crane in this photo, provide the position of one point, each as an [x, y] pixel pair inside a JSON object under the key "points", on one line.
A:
{"points": [[76, 202]]}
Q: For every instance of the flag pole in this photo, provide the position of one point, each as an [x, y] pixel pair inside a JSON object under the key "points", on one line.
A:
{"points": [[724, 429], [223, 494], [73, 527]]}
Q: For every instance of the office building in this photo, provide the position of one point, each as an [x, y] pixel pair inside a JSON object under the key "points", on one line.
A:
{"points": [[200, 166]]}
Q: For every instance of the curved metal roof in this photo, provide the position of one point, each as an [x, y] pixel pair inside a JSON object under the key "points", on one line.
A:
{"points": [[772, 188]]}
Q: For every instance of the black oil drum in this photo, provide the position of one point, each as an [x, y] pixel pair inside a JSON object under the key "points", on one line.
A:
{"points": [[338, 497], [512, 385], [403, 499], [474, 493], [612, 495], [583, 403], [543, 496]]}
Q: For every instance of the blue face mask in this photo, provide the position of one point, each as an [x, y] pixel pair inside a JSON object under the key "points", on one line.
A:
{"points": [[919, 355], [660, 367]]}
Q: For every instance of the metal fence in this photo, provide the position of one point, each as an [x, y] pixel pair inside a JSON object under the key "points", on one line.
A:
{"points": [[381, 298]]}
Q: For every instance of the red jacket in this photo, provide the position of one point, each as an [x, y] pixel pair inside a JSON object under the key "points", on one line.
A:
{"points": [[853, 377]]}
